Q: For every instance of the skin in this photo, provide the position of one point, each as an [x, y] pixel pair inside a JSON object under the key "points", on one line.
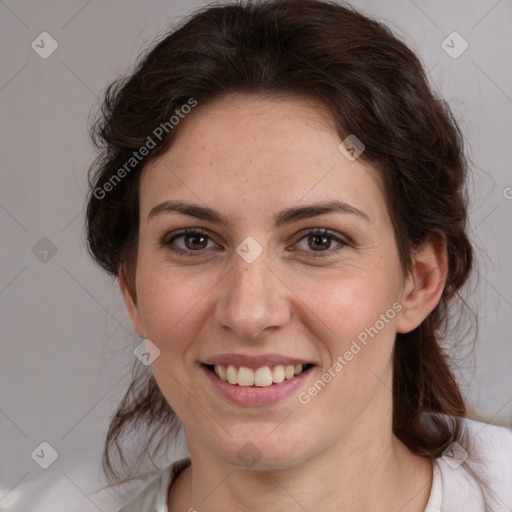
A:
{"points": [[249, 157]]}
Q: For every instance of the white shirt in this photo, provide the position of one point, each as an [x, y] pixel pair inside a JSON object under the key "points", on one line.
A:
{"points": [[436, 493]]}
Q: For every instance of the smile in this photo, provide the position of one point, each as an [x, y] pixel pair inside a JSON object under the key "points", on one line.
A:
{"points": [[260, 377]]}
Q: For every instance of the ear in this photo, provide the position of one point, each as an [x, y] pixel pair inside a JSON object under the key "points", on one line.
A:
{"points": [[130, 300], [424, 285]]}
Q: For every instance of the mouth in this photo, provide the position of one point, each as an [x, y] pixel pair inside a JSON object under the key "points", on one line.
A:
{"points": [[264, 376]]}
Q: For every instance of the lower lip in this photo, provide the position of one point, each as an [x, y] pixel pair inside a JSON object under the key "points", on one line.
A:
{"points": [[253, 395]]}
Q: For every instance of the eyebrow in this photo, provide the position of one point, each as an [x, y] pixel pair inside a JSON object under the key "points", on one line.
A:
{"points": [[284, 217]]}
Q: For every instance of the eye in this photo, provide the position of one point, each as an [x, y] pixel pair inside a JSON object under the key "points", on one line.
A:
{"points": [[320, 240], [194, 240]]}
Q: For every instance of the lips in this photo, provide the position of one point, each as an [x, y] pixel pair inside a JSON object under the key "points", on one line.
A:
{"points": [[247, 394]]}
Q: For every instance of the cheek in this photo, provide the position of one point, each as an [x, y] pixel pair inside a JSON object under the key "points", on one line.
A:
{"points": [[345, 305], [352, 317], [172, 304], [353, 321]]}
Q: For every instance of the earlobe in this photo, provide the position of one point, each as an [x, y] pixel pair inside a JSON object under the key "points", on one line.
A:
{"points": [[424, 285], [130, 300]]}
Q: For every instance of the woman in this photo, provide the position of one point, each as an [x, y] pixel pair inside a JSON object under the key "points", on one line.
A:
{"points": [[282, 199]]}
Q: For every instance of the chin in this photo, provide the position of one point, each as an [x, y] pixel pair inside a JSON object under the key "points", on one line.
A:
{"points": [[259, 453]]}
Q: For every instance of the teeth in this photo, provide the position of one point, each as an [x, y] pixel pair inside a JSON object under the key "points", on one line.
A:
{"points": [[245, 376], [232, 374], [278, 374], [289, 371], [222, 372], [262, 377]]}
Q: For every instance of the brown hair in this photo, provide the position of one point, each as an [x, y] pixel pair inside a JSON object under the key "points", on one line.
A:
{"points": [[376, 88]]}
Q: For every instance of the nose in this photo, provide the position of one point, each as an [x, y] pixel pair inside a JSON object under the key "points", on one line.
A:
{"points": [[253, 299]]}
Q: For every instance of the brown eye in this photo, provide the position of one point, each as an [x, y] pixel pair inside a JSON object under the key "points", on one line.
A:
{"points": [[193, 240], [320, 241]]}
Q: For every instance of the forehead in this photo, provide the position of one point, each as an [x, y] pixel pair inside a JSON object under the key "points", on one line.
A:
{"points": [[253, 150]]}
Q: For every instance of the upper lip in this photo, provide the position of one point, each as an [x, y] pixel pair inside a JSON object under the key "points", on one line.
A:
{"points": [[255, 361]]}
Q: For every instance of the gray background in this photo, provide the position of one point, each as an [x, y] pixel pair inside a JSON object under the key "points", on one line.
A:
{"points": [[66, 340]]}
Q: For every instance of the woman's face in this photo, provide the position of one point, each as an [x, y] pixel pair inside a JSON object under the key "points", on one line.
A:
{"points": [[257, 290]]}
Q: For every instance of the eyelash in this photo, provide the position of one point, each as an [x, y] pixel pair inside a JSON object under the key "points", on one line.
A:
{"points": [[166, 242]]}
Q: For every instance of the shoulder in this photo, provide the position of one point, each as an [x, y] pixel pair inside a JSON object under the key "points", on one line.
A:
{"points": [[478, 476], [153, 498]]}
